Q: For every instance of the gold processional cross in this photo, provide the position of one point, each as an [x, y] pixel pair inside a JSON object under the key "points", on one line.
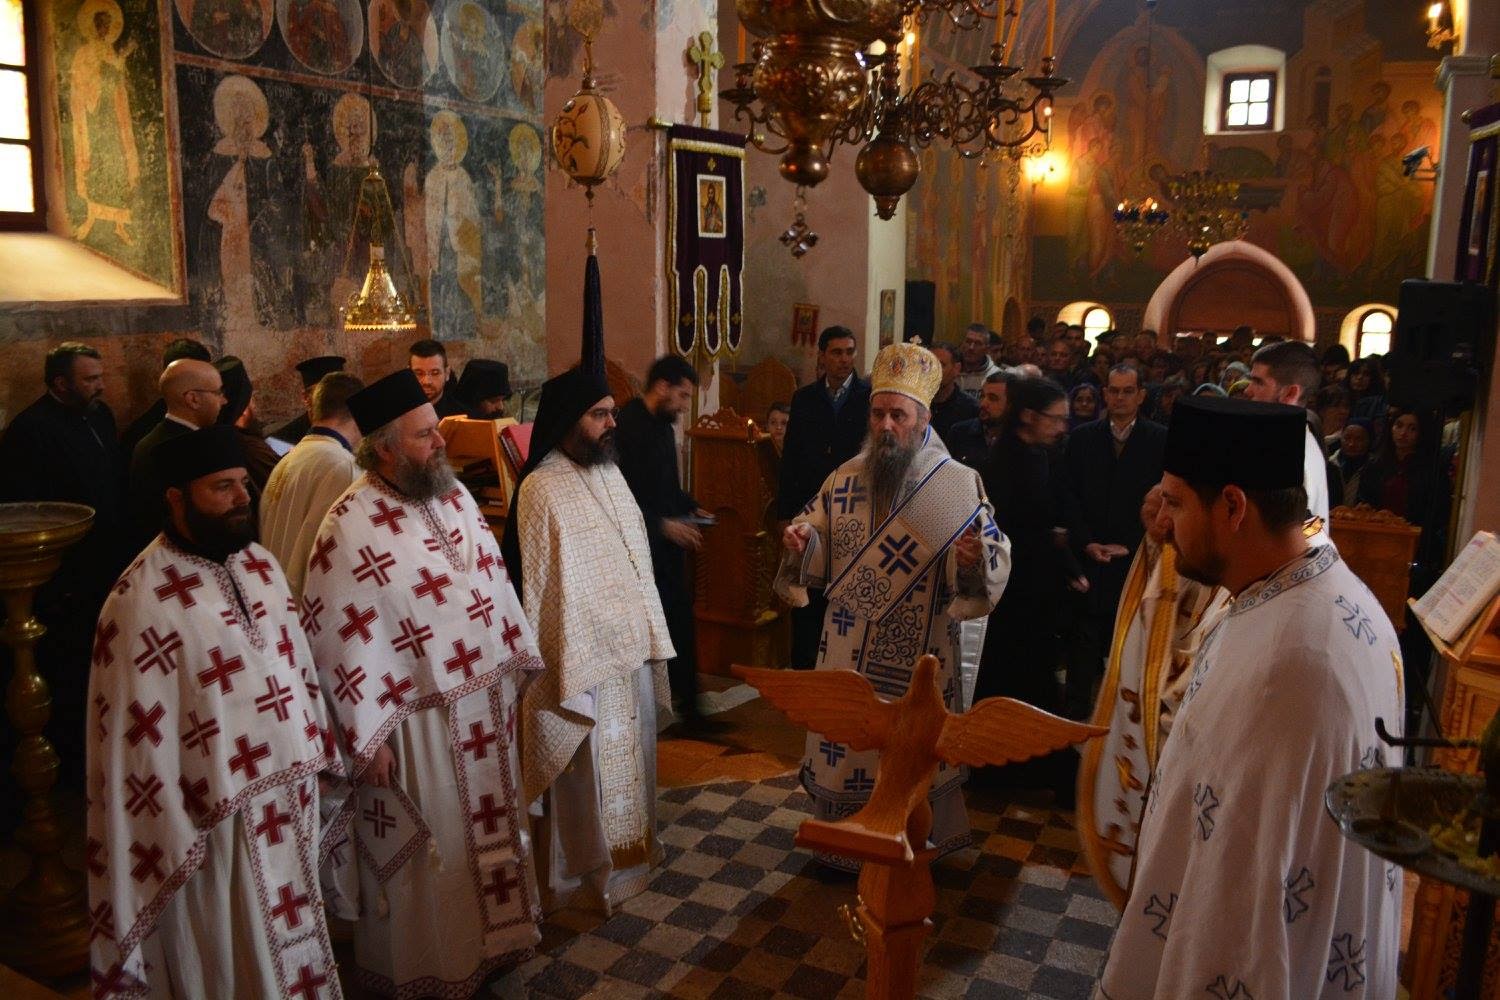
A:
{"points": [[889, 834], [708, 61]]}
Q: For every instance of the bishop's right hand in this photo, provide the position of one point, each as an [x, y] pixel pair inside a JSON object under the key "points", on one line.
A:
{"points": [[795, 537]]}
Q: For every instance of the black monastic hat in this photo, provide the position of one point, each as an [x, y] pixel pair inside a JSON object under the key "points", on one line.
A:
{"points": [[313, 369], [484, 379], [378, 403], [237, 388], [181, 459], [1219, 442]]}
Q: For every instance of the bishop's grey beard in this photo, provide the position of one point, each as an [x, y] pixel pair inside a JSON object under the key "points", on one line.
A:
{"points": [[423, 480], [887, 461]]}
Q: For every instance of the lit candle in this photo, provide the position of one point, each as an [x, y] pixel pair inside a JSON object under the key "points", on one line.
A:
{"points": [[1051, 28], [1434, 12], [741, 44], [914, 46], [1015, 29]]}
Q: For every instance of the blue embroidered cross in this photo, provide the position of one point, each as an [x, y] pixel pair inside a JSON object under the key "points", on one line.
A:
{"points": [[992, 530], [898, 555], [834, 752], [849, 495], [823, 644], [843, 619], [859, 781], [1162, 912], [1346, 960], [1297, 886], [1356, 621]]}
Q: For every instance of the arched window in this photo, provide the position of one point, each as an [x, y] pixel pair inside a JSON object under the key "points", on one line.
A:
{"points": [[1373, 335], [20, 123], [1095, 321]]}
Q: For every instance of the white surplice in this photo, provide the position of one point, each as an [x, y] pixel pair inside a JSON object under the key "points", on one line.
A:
{"points": [[303, 485], [1244, 887]]}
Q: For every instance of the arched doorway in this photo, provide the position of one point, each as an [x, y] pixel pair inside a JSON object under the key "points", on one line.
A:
{"points": [[1234, 284]]}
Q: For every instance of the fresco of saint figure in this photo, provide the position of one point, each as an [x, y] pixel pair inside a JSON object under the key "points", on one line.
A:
{"points": [[403, 37], [471, 50], [526, 158], [232, 29], [106, 164], [324, 35], [455, 236], [245, 211], [526, 69], [331, 196]]}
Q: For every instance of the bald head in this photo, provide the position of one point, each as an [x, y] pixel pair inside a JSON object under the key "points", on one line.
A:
{"points": [[192, 390]]}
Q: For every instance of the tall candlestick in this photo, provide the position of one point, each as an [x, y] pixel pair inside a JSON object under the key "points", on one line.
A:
{"points": [[740, 39], [1015, 30], [999, 22], [1051, 28]]}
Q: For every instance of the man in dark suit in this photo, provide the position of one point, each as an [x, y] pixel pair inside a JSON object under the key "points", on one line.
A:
{"points": [[826, 429], [951, 405], [177, 350], [1109, 466], [970, 441]]}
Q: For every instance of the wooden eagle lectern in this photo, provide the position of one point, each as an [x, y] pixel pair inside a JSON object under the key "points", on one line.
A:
{"points": [[896, 894]]}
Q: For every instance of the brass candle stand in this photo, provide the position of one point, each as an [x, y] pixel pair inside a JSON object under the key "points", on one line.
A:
{"points": [[45, 917]]}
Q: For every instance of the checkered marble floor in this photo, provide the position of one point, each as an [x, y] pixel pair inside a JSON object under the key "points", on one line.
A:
{"points": [[737, 912]]}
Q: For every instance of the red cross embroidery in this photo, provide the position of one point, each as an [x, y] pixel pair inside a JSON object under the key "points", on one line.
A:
{"points": [[145, 726], [92, 857], [222, 671], [395, 691], [255, 564], [104, 634], [433, 544], [381, 822], [290, 906], [509, 633], [286, 649], [463, 659], [249, 757], [201, 732], [389, 517], [486, 562], [490, 813], [159, 651], [103, 708], [307, 983], [374, 566], [452, 498], [310, 729], [349, 681], [500, 887], [357, 622], [319, 559], [179, 586], [479, 740], [258, 610], [413, 637], [143, 795], [109, 982], [271, 822], [102, 921], [194, 795], [229, 618], [432, 585], [148, 862], [310, 612], [276, 699], [351, 737], [483, 607]]}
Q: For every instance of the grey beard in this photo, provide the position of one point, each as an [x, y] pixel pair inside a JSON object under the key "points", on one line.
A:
{"points": [[887, 463], [423, 481]]}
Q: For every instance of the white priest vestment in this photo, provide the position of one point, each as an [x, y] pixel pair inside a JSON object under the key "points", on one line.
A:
{"points": [[895, 591], [589, 722], [1244, 887], [418, 639], [304, 484], [207, 733], [1161, 619]]}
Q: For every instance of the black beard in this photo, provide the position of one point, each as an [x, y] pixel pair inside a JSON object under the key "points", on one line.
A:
{"points": [[423, 480], [220, 537], [886, 463], [1210, 574], [590, 453]]}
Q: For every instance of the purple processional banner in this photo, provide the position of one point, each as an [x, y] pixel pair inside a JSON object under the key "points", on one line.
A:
{"points": [[705, 239]]}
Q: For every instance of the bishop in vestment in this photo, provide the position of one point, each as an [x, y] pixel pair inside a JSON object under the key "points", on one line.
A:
{"points": [[421, 643], [589, 722], [207, 733], [1243, 886], [904, 541]]}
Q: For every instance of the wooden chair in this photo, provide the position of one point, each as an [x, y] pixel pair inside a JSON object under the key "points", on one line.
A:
{"points": [[1379, 547]]}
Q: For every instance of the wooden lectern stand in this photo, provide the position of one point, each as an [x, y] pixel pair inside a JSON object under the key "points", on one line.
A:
{"points": [[734, 478]]}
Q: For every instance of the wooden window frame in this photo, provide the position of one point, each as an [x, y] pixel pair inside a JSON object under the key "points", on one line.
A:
{"points": [[1225, 85], [36, 219]]}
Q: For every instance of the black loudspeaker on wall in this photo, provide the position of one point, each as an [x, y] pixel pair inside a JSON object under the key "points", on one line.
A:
{"points": [[920, 321], [1445, 342]]}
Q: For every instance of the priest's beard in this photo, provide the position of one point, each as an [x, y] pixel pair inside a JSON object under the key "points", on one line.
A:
{"points": [[887, 461], [423, 480], [220, 536], [587, 451], [1202, 567]]}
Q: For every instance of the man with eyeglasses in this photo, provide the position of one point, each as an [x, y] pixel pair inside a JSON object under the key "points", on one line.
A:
{"points": [[193, 391], [977, 363]]}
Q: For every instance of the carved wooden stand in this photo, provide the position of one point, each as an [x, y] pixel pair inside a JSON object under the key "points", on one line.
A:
{"points": [[45, 916]]}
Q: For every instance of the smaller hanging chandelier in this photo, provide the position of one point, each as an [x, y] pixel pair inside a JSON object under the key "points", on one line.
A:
{"points": [[378, 306], [1140, 221], [1206, 210]]}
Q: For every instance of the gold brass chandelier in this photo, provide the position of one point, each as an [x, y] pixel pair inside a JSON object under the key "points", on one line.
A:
{"points": [[826, 72], [1205, 210]]}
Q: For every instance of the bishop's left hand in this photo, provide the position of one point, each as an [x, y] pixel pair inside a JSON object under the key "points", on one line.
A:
{"points": [[969, 548]]}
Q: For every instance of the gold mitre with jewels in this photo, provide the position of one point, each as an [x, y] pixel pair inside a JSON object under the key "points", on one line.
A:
{"points": [[910, 369]]}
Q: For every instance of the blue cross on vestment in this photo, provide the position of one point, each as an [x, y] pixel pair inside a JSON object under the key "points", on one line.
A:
{"points": [[898, 555], [859, 781], [843, 619], [848, 495], [992, 530], [823, 644], [833, 752]]}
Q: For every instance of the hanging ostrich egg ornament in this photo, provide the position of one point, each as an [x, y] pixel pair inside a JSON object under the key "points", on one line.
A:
{"points": [[588, 136]]}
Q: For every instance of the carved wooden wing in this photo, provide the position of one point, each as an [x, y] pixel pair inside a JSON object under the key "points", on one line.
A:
{"points": [[839, 704], [1002, 730]]}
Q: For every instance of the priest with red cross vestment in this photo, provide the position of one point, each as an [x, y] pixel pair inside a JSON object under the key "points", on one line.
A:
{"points": [[420, 643], [207, 733]]}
